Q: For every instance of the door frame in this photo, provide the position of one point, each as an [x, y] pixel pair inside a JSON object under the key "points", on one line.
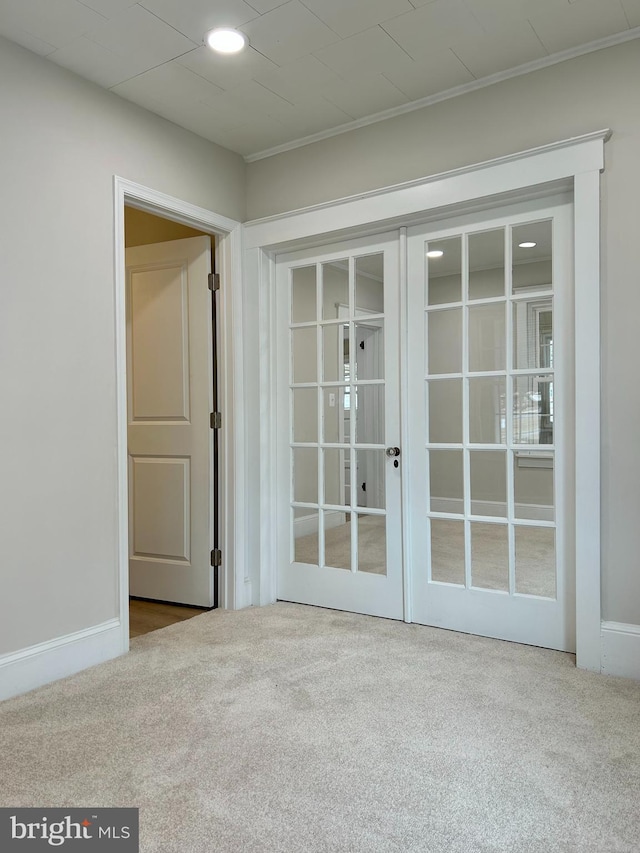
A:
{"points": [[234, 590], [568, 165]]}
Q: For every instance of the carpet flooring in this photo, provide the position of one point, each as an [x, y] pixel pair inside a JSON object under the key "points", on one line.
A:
{"points": [[290, 728]]}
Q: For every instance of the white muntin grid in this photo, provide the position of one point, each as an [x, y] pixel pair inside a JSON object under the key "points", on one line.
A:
{"points": [[322, 383], [509, 374]]}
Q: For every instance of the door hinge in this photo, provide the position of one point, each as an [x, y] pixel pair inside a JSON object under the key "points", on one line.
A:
{"points": [[215, 420], [364, 487], [216, 558], [214, 281], [361, 344]]}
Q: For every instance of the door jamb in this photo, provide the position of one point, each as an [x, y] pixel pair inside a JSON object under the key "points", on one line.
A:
{"points": [[235, 590]]}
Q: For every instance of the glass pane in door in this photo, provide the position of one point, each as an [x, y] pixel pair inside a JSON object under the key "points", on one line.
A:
{"points": [[335, 288], [532, 256], [372, 544], [447, 551], [486, 264], [489, 556], [444, 271]]}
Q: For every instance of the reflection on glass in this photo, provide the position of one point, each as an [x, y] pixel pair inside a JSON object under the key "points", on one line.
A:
{"points": [[305, 536], [335, 352], [487, 337], [444, 337], [533, 410], [305, 414], [487, 410], [370, 478], [335, 288], [368, 401], [305, 474], [446, 481], [372, 544], [444, 271], [336, 463], [370, 284], [369, 355], [536, 561], [447, 551], [533, 485], [303, 294], [533, 334], [335, 415], [489, 556], [304, 355], [445, 411], [488, 470], [532, 264], [486, 264], [337, 540]]}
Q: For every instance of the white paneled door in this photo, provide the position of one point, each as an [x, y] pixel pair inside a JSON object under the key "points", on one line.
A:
{"points": [[485, 402], [339, 532], [170, 388]]}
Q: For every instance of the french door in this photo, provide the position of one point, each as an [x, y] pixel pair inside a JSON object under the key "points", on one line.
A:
{"points": [[485, 402], [340, 529], [490, 426]]}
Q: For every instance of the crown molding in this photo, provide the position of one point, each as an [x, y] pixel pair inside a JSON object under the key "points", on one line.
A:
{"points": [[456, 91]]}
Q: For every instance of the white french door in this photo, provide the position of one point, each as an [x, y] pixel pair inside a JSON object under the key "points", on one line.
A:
{"points": [[340, 532], [486, 402], [490, 425]]}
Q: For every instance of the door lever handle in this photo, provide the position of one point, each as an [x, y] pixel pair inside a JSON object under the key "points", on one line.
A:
{"points": [[392, 451]]}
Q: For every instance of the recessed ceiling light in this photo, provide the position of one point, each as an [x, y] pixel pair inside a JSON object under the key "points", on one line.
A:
{"points": [[527, 245], [225, 40], [435, 253]]}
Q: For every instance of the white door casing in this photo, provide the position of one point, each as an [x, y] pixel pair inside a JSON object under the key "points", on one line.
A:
{"points": [[569, 164], [169, 391]]}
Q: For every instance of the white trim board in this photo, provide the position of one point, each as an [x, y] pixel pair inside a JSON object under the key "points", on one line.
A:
{"points": [[525, 174], [621, 649], [456, 91], [46, 662], [545, 164], [235, 585]]}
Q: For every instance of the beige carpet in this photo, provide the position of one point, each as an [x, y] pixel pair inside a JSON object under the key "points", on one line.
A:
{"points": [[290, 728], [534, 566]]}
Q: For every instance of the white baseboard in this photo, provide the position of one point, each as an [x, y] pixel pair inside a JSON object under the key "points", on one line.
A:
{"points": [[308, 524], [533, 512], [37, 665], [620, 649]]}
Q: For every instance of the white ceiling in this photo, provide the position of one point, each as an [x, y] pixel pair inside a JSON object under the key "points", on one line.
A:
{"points": [[312, 65]]}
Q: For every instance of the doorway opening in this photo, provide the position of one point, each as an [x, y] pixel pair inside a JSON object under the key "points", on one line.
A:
{"points": [[172, 445], [473, 511]]}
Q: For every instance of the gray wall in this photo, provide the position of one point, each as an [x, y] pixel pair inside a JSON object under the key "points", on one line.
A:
{"points": [[61, 142], [581, 95]]}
